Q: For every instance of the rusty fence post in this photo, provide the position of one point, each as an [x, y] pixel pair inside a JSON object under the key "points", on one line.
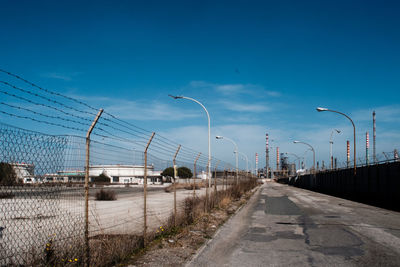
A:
{"points": [[87, 246], [215, 178], [175, 172], [145, 191], [194, 175], [208, 184]]}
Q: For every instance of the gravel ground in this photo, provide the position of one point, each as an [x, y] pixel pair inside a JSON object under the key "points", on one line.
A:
{"points": [[179, 249]]}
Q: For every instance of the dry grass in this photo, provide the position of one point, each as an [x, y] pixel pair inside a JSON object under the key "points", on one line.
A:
{"points": [[110, 250], [225, 201], [187, 186]]}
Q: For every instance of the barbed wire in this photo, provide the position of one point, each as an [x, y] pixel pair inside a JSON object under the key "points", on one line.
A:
{"points": [[45, 90], [109, 126]]}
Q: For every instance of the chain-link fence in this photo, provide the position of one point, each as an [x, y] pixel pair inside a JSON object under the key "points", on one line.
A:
{"points": [[42, 195], [70, 199], [38, 216]]}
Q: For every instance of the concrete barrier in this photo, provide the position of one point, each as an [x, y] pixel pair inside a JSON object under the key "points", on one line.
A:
{"points": [[377, 185]]}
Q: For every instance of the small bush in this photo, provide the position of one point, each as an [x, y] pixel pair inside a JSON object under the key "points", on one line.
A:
{"points": [[225, 201], [6, 195], [7, 174], [191, 186], [106, 195]]}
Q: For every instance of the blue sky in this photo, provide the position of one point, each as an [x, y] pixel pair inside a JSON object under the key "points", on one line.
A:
{"points": [[258, 66]]}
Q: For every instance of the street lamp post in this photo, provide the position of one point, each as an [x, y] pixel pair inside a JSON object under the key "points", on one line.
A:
{"points": [[331, 144], [299, 142], [319, 109], [236, 154], [209, 133]]}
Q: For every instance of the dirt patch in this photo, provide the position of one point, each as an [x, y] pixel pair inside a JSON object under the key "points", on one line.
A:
{"points": [[177, 248]]}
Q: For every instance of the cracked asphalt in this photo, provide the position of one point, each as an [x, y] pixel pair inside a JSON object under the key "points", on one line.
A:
{"points": [[288, 226]]}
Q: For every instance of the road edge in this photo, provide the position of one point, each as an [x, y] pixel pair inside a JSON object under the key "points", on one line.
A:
{"points": [[254, 192]]}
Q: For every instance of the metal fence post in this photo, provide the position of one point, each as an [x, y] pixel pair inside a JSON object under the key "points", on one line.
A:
{"points": [[87, 247], [224, 179], [215, 177], [175, 171], [194, 175], [207, 185], [145, 190]]}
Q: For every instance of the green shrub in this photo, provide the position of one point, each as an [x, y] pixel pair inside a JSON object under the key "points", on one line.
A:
{"points": [[184, 172], [7, 174], [168, 172]]}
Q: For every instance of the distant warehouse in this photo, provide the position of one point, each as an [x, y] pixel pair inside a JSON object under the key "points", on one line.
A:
{"points": [[126, 173], [133, 174]]}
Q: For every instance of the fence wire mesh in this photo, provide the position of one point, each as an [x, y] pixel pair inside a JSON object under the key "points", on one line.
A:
{"points": [[37, 217], [42, 195]]}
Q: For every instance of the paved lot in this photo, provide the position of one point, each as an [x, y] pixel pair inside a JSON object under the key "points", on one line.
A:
{"points": [[287, 226]]}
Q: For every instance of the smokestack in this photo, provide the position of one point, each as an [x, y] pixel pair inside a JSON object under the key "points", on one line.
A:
{"points": [[367, 148], [267, 155], [256, 164], [348, 153], [374, 137], [277, 158]]}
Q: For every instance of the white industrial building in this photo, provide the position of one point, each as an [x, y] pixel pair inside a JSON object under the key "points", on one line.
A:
{"points": [[24, 172], [132, 174], [126, 173]]}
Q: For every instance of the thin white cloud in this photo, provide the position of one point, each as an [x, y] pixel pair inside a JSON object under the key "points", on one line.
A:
{"points": [[152, 110], [61, 76], [241, 107], [384, 114], [230, 88], [233, 89], [273, 93]]}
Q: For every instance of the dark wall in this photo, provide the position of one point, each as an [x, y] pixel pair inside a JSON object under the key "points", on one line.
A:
{"points": [[377, 185]]}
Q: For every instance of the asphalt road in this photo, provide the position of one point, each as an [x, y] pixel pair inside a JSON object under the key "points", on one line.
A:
{"points": [[288, 226]]}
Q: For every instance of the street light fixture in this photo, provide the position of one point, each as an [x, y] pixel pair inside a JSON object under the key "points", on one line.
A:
{"points": [[209, 133], [300, 142], [319, 109], [236, 154], [331, 144]]}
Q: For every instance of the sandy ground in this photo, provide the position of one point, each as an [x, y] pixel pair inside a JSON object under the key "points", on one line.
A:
{"points": [[125, 215], [35, 216]]}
